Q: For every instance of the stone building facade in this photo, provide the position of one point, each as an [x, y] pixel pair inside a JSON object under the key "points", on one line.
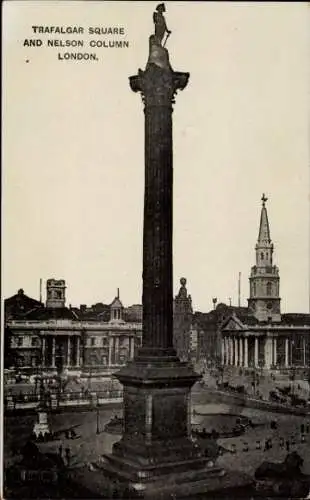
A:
{"points": [[96, 339], [55, 337]]}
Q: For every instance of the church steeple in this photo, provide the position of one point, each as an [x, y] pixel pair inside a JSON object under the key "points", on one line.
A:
{"points": [[264, 301], [264, 246], [264, 231]]}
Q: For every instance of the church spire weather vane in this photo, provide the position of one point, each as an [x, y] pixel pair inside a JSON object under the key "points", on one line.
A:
{"points": [[264, 199]]}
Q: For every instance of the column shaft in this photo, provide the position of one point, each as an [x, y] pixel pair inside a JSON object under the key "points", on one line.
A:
{"points": [[69, 351], [53, 352], [157, 234], [246, 352], [268, 352], [78, 354], [256, 352], [275, 353], [43, 351], [236, 351], [222, 351], [227, 351], [241, 350], [231, 345], [110, 350], [286, 353], [131, 347], [116, 350]]}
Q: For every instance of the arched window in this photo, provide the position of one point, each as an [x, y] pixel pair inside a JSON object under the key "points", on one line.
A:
{"points": [[254, 288], [262, 256], [269, 288]]}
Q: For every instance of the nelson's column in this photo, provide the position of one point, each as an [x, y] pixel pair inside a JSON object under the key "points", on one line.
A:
{"points": [[156, 456]]}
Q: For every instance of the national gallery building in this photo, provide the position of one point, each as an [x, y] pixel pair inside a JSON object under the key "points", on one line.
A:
{"points": [[55, 337]]}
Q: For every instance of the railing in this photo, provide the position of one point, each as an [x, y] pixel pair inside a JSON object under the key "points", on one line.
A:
{"points": [[74, 325], [64, 400]]}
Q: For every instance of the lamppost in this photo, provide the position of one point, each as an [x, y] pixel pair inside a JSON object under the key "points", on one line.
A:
{"points": [[97, 406], [41, 427]]}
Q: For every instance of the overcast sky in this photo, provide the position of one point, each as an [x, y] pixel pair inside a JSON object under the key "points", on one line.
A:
{"points": [[73, 164]]}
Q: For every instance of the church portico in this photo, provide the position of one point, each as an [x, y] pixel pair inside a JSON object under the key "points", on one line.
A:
{"points": [[265, 349]]}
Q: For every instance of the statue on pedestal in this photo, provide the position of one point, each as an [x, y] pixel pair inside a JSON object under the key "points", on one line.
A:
{"points": [[160, 24], [158, 54]]}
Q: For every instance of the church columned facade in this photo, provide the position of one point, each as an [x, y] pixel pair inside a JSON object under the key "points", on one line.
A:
{"points": [[263, 337]]}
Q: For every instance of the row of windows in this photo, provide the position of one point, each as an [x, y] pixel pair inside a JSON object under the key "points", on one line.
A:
{"points": [[20, 341], [96, 341], [35, 342]]}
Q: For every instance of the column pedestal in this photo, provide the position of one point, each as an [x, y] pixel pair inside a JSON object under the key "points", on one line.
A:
{"points": [[41, 427], [157, 457]]}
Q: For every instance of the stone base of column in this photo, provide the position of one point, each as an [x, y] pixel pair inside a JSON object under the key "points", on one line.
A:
{"points": [[156, 456]]}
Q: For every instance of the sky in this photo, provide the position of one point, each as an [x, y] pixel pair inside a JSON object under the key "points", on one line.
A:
{"points": [[73, 156]]}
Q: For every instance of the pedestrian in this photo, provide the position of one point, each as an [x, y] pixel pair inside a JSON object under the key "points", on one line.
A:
{"points": [[68, 455]]}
